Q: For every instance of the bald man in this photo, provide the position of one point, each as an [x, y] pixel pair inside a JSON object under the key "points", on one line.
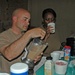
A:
{"points": [[14, 40]]}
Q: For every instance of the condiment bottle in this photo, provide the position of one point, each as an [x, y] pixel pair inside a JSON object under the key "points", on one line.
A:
{"points": [[48, 67], [67, 50]]}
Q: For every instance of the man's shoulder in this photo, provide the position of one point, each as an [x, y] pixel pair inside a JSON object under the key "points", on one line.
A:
{"points": [[6, 31]]}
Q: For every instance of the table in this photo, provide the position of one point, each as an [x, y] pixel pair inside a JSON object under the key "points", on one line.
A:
{"points": [[40, 71]]}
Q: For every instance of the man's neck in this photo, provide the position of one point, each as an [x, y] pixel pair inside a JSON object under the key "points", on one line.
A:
{"points": [[16, 31]]}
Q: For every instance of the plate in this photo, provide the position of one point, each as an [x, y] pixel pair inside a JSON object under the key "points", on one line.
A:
{"points": [[73, 62], [4, 74]]}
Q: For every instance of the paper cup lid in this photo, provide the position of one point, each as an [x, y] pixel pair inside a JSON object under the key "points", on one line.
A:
{"points": [[19, 68]]}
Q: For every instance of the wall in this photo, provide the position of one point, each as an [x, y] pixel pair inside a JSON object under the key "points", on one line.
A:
{"points": [[6, 9], [65, 10]]}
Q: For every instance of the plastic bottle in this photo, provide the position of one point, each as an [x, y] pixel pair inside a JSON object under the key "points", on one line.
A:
{"points": [[48, 67], [67, 50]]}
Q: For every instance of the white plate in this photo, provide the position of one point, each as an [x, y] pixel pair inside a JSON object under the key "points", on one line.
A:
{"points": [[73, 62], [4, 74], [40, 64]]}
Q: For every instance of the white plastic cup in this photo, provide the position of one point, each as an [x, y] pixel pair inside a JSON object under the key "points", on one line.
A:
{"points": [[61, 53], [19, 69], [61, 67], [55, 56], [52, 24]]}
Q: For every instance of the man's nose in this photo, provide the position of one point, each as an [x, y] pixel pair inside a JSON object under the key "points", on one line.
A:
{"points": [[27, 22]]}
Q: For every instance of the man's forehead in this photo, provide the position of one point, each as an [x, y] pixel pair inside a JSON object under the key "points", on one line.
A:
{"points": [[24, 14], [27, 16]]}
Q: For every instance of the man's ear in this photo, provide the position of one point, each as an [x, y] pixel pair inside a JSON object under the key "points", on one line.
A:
{"points": [[14, 18]]}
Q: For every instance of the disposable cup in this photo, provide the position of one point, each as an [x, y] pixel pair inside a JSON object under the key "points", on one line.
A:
{"points": [[55, 56], [61, 67], [52, 25]]}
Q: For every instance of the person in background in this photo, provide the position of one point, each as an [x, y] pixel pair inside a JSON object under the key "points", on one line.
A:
{"points": [[48, 16], [14, 40]]}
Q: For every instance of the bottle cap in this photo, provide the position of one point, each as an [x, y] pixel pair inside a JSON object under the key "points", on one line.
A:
{"points": [[49, 58], [67, 46]]}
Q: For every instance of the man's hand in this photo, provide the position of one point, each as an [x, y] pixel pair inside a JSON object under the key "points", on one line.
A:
{"points": [[38, 58], [36, 32]]}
